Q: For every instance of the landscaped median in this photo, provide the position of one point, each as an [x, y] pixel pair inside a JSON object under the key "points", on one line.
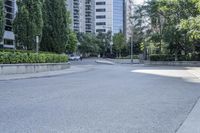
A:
{"points": [[29, 62]]}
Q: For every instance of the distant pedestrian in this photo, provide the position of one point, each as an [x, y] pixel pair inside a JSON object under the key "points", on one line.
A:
{"points": [[81, 57]]}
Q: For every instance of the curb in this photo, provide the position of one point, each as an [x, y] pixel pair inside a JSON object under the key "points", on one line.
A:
{"points": [[71, 70], [104, 62], [192, 122]]}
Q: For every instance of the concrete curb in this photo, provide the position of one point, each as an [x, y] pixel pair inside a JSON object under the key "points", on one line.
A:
{"points": [[72, 69], [192, 123], [104, 62], [173, 63], [6, 69]]}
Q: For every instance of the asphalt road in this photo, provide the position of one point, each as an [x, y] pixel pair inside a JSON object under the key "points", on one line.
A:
{"points": [[106, 99]]}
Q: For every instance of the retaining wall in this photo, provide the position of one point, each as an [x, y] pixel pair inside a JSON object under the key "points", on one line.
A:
{"points": [[174, 63], [6, 69]]}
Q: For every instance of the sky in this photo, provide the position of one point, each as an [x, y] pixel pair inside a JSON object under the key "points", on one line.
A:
{"points": [[138, 1]]}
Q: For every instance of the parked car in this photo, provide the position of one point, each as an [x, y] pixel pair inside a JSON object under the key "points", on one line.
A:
{"points": [[74, 57]]}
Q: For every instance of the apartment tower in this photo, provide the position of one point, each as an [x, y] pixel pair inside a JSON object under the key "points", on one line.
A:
{"points": [[8, 37]]}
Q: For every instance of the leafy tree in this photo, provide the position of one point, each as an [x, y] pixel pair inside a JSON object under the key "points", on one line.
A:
{"points": [[56, 26], [1, 19], [72, 42], [119, 42], [173, 25], [28, 23], [88, 44], [104, 42]]}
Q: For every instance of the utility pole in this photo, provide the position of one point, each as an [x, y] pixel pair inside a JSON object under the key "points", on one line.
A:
{"points": [[132, 49]]}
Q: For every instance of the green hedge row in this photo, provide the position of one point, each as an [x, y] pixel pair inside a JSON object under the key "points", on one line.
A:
{"points": [[18, 57], [161, 57]]}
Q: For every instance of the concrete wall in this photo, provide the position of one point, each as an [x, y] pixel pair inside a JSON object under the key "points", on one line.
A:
{"points": [[174, 63], [124, 61], [6, 69]]}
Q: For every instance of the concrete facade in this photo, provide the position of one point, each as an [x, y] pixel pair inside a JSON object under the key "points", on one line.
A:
{"points": [[82, 14], [128, 22], [9, 37], [95, 16]]}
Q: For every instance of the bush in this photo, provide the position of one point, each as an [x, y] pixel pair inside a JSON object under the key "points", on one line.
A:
{"points": [[161, 57], [18, 57]]}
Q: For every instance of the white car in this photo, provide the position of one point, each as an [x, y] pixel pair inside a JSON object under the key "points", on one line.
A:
{"points": [[74, 57]]}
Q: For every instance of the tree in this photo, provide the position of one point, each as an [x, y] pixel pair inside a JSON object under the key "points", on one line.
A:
{"points": [[1, 19], [72, 42], [28, 23], [104, 41], [119, 42], [56, 26], [88, 44], [166, 22]]}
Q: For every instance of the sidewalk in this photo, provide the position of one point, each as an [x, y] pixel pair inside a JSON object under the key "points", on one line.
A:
{"points": [[72, 69], [192, 123]]}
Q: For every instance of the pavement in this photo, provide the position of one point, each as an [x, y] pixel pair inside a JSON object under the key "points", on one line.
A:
{"points": [[103, 99]]}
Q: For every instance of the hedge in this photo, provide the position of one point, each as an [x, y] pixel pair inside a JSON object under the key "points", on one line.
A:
{"points": [[18, 57], [162, 57]]}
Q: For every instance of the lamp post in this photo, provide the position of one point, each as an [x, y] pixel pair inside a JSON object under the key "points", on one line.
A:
{"points": [[130, 19], [132, 48]]}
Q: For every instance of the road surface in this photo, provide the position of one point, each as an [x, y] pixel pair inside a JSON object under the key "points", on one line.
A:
{"points": [[106, 99]]}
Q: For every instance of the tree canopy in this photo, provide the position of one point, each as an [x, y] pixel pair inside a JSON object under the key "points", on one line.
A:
{"points": [[171, 25], [28, 23], [56, 26]]}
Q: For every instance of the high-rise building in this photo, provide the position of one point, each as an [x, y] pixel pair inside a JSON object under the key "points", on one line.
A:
{"points": [[8, 37], [128, 21], [74, 7], [103, 16], [109, 16], [95, 16], [82, 15]]}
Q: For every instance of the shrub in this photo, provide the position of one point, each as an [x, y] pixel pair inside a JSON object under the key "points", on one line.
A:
{"points": [[162, 57], [18, 57]]}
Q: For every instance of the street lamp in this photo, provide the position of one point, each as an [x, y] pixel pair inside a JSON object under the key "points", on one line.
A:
{"points": [[131, 39]]}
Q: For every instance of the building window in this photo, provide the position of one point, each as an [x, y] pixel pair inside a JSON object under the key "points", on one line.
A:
{"points": [[100, 16], [101, 10], [100, 3], [100, 30], [101, 23], [8, 42]]}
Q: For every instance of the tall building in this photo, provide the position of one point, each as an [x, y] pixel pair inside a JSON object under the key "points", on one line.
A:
{"points": [[74, 7], [128, 21], [95, 16], [8, 37], [82, 15], [103, 16], [109, 16]]}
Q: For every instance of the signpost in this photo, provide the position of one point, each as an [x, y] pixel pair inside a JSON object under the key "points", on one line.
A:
{"points": [[37, 44]]}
